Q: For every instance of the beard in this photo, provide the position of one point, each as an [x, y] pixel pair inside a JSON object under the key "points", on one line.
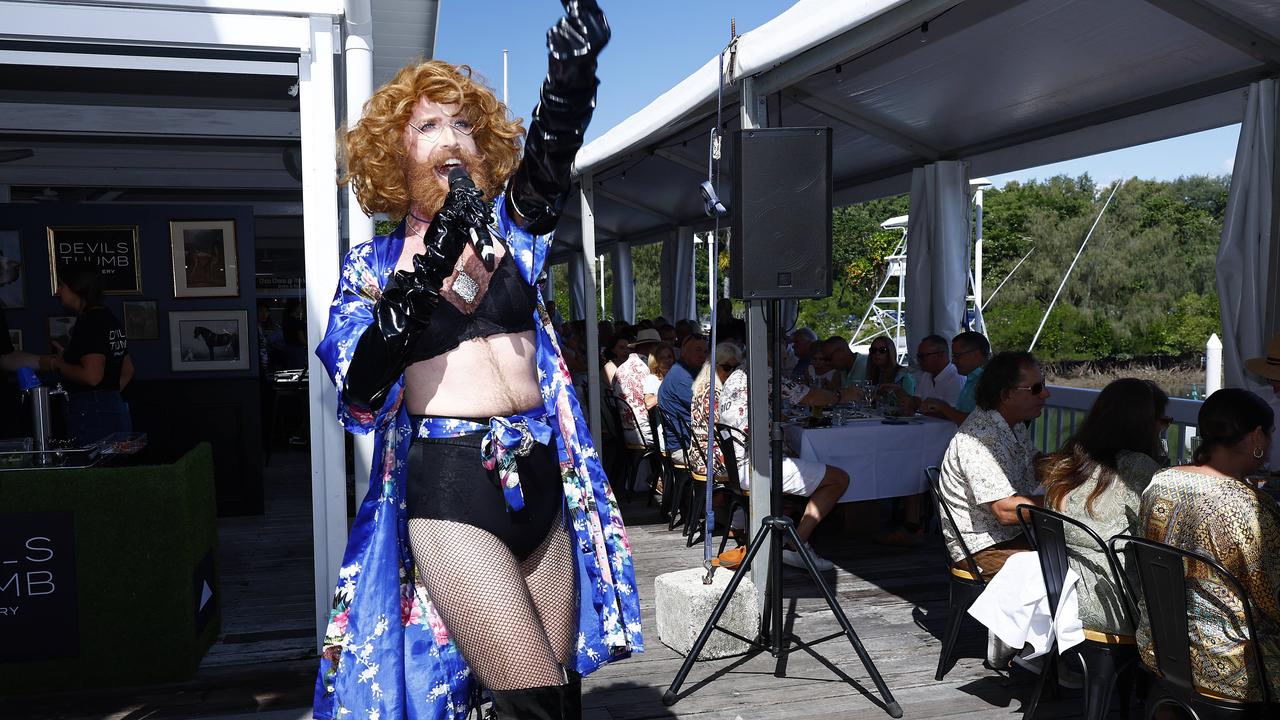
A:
{"points": [[427, 189]]}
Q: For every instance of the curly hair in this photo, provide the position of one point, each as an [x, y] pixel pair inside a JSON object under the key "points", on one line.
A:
{"points": [[372, 155]]}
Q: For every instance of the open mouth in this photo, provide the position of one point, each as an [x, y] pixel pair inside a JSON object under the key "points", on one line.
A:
{"points": [[443, 169]]}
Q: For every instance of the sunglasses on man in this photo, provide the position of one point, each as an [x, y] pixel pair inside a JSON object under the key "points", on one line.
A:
{"points": [[1034, 389]]}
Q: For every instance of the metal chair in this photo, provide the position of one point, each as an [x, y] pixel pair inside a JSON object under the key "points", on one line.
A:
{"points": [[1103, 656], [1162, 576], [966, 579], [637, 453], [679, 470], [614, 446]]}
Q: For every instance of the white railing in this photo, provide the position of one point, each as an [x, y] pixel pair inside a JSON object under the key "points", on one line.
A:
{"points": [[1068, 406]]}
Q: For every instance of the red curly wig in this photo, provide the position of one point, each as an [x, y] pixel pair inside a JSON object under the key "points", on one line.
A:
{"points": [[374, 151]]}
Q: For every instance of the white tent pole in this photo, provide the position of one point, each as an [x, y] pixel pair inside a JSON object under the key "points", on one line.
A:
{"points": [[358, 56], [753, 115], [587, 202], [317, 121], [977, 252]]}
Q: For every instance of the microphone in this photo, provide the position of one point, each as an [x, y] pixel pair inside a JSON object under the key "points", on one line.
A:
{"points": [[458, 177]]}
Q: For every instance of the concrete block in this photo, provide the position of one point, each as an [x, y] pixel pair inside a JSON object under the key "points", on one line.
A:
{"points": [[683, 605]]}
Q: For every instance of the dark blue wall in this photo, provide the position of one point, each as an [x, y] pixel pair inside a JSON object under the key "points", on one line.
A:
{"points": [[151, 358], [177, 410]]}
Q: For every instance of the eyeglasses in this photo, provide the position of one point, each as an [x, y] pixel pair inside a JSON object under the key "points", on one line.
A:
{"points": [[430, 129], [921, 356], [963, 352], [879, 350], [1035, 389]]}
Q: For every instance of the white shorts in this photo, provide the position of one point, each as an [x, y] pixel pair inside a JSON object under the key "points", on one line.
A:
{"points": [[799, 477]]}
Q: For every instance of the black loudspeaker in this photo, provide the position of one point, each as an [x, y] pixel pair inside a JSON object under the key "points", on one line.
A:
{"points": [[780, 245]]}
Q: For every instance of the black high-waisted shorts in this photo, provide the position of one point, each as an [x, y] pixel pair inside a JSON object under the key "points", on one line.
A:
{"points": [[447, 481]]}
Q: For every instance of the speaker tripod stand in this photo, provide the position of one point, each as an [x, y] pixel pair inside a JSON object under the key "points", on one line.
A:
{"points": [[774, 529]]}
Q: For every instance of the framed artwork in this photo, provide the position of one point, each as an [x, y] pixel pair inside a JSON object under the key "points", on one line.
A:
{"points": [[209, 340], [204, 259], [15, 339], [10, 269], [60, 327], [112, 248], [141, 320]]}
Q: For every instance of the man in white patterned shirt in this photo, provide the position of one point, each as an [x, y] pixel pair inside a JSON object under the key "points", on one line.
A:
{"points": [[989, 469], [628, 386]]}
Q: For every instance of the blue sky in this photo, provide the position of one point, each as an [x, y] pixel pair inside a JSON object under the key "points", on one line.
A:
{"points": [[657, 43]]}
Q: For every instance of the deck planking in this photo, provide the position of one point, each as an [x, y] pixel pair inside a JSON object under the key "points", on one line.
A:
{"points": [[894, 597]]}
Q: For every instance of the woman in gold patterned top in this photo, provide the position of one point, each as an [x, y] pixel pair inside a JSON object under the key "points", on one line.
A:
{"points": [[1097, 478], [1208, 508]]}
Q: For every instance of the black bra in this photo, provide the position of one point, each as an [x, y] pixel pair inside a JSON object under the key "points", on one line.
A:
{"points": [[507, 307]]}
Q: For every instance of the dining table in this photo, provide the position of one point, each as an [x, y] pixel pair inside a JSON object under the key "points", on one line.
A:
{"points": [[885, 457]]}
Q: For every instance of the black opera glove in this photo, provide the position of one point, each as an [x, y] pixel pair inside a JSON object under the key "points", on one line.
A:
{"points": [[410, 298], [540, 185]]}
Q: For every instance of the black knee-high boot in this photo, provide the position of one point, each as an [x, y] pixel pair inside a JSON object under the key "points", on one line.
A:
{"points": [[539, 703], [550, 702]]}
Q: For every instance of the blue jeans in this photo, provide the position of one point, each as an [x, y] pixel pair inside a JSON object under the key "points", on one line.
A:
{"points": [[95, 414]]}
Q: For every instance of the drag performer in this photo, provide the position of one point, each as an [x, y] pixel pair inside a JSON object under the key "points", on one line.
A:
{"points": [[490, 546]]}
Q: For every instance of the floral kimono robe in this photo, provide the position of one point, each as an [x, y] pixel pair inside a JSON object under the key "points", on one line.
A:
{"points": [[387, 654]]}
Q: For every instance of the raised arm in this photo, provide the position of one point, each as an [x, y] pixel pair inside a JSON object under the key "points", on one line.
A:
{"points": [[538, 188]]}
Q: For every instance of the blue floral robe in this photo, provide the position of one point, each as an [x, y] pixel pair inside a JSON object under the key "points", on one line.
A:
{"points": [[387, 653]]}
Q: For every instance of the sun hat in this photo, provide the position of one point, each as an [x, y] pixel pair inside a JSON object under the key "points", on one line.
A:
{"points": [[647, 336], [1269, 366]]}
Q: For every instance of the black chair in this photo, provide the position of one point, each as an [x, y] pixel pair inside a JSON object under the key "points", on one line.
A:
{"points": [[614, 448], [1162, 576], [733, 444], [966, 579], [673, 496], [1105, 657], [637, 453]]}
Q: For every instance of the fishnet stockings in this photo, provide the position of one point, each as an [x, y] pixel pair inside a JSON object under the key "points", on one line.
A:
{"points": [[515, 622]]}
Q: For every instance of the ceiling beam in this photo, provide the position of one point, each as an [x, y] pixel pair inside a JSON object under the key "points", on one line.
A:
{"points": [[148, 178], [1225, 27], [866, 125], [111, 121], [680, 160], [626, 202], [853, 42]]}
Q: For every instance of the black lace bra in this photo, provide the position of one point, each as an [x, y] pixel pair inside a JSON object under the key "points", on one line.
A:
{"points": [[507, 307]]}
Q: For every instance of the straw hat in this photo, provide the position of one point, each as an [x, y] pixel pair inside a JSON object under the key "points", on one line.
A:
{"points": [[647, 336], [1269, 366]]}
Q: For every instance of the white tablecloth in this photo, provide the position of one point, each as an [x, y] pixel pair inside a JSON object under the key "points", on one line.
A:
{"points": [[882, 460]]}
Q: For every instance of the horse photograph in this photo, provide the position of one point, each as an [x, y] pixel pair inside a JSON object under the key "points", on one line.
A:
{"points": [[210, 340]]}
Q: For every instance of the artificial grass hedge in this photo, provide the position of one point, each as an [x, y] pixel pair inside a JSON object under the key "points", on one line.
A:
{"points": [[139, 533]]}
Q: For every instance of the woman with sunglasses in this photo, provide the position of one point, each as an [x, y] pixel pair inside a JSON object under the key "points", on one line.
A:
{"points": [[883, 371], [1097, 478]]}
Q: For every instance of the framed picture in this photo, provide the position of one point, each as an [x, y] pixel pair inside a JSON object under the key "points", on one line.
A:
{"points": [[112, 248], [141, 320], [60, 327], [10, 269], [204, 258], [15, 339], [209, 340]]}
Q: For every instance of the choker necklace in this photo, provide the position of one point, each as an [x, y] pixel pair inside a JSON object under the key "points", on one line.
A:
{"points": [[415, 217]]}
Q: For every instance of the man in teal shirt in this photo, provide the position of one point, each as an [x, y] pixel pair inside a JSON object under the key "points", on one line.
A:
{"points": [[969, 353]]}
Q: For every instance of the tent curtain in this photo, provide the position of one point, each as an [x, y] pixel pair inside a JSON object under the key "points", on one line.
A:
{"points": [[578, 286], [677, 277], [1247, 253], [787, 314], [624, 284], [937, 252]]}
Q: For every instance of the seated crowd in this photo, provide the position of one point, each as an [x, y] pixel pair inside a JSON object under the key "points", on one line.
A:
{"points": [[1111, 474]]}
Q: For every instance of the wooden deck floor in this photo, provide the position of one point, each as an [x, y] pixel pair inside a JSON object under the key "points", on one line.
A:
{"points": [[894, 597]]}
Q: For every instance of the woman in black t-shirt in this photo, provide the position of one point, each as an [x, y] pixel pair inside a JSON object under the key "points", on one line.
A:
{"points": [[95, 365]]}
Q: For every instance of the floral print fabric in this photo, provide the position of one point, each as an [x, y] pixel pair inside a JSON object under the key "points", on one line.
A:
{"points": [[628, 385], [1226, 520], [387, 654]]}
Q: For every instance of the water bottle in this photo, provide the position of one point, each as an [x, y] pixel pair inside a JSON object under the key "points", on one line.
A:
{"points": [[1195, 391], [41, 424]]}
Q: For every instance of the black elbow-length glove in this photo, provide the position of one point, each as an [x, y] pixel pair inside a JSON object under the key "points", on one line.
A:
{"points": [[538, 188], [410, 298]]}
